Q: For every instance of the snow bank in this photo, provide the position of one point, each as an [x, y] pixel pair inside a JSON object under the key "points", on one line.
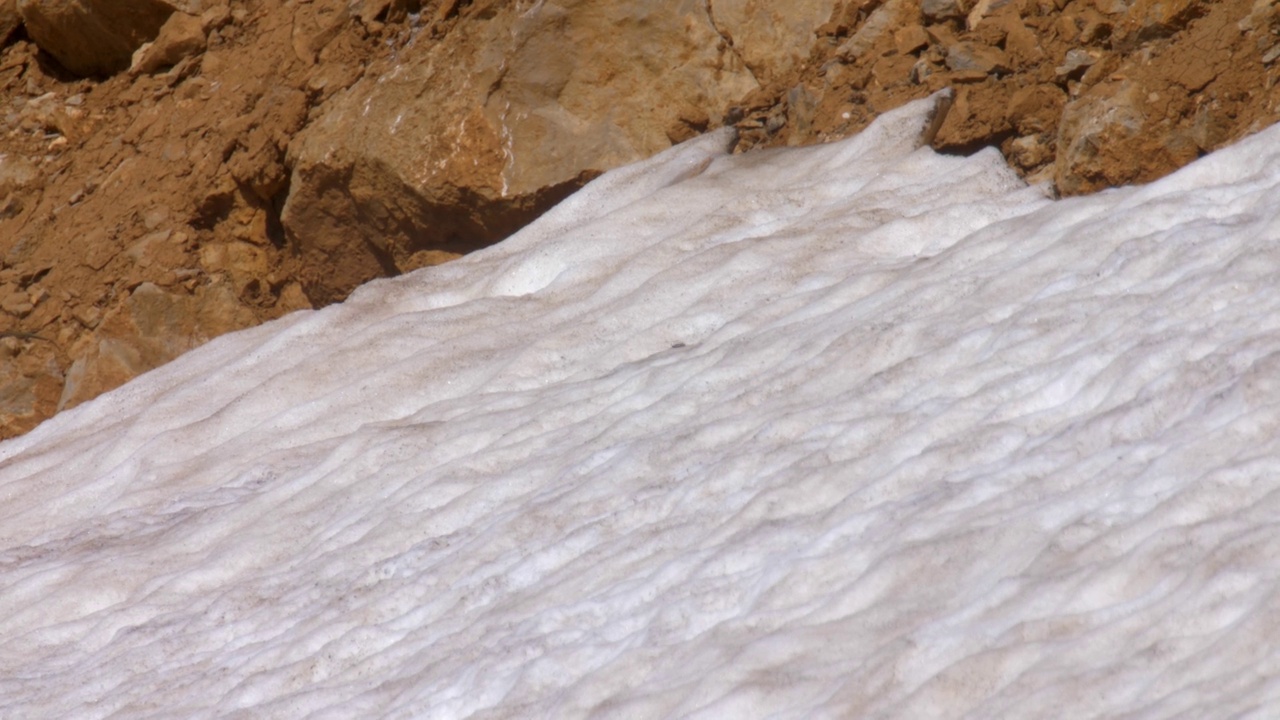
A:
{"points": [[846, 431]]}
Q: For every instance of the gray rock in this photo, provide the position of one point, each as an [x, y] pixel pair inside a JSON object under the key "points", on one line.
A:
{"points": [[1076, 59], [886, 19], [976, 57], [940, 9]]}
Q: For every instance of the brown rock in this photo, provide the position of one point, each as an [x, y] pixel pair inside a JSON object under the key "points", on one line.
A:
{"points": [[979, 112], [771, 38], [429, 258], [1036, 109], [1153, 112], [1021, 44], [150, 328], [1097, 28], [893, 70], [469, 138], [981, 9], [942, 36], [1066, 28], [910, 39], [1149, 19], [94, 37], [11, 206], [9, 19], [801, 105], [879, 26], [257, 162], [921, 70], [15, 302], [24, 390], [844, 18], [215, 18], [1093, 128], [16, 173], [181, 36], [87, 315], [1112, 7]]}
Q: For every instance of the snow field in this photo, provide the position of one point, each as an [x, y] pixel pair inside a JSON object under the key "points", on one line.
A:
{"points": [[846, 431]]}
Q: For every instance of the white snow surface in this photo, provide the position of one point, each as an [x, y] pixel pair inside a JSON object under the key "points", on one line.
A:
{"points": [[849, 431]]}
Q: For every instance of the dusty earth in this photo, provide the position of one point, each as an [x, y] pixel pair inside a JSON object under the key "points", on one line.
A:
{"points": [[171, 171]]}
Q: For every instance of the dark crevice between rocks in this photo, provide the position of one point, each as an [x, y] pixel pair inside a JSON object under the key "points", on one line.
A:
{"points": [[995, 140], [50, 66], [213, 209], [384, 258], [474, 221], [416, 232], [274, 207], [18, 34]]}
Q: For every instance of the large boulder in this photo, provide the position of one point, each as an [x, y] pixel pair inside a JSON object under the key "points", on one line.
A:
{"points": [[469, 138], [97, 37]]}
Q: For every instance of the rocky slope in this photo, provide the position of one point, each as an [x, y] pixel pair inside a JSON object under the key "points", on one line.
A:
{"points": [[171, 170]]}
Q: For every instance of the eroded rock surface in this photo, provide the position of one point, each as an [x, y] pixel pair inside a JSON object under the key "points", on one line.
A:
{"points": [[426, 161], [174, 169], [96, 37], [1085, 94]]}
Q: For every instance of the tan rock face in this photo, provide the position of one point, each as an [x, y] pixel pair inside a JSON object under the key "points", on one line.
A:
{"points": [[151, 327], [467, 139], [94, 37], [771, 38]]}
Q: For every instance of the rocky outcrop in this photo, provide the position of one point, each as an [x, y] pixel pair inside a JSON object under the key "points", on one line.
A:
{"points": [[255, 148], [132, 220], [1192, 82], [97, 37], [469, 138], [1083, 94]]}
